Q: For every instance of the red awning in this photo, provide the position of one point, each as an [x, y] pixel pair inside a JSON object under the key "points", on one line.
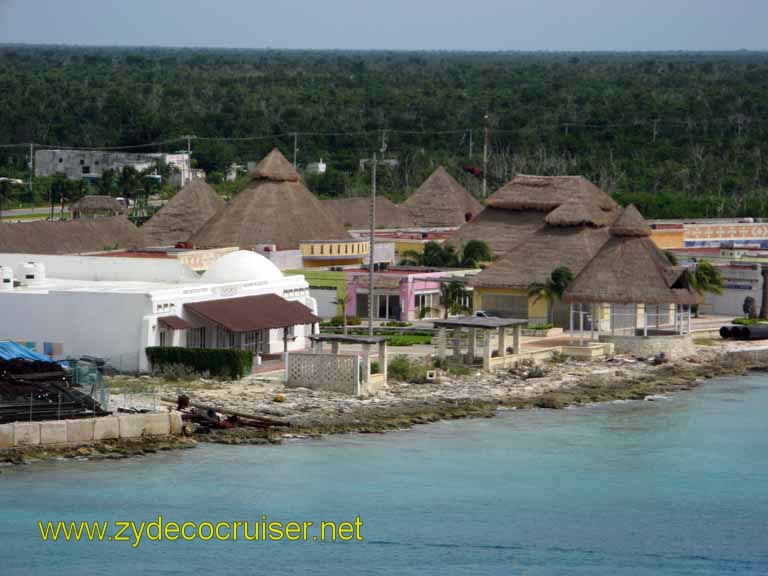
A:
{"points": [[175, 322], [254, 313]]}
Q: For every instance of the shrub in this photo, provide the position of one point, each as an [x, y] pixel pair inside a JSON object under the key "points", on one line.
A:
{"points": [[375, 369], [545, 326], [339, 321], [397, 324], [747, 321], [228, 364], [408, 339], [406, 370]]}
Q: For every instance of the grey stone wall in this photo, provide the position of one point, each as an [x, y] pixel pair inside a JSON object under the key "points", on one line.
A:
{"points": [[330, 372], [673, 347]]}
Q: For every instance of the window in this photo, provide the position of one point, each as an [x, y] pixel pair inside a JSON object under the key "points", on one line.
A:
{"points": [[429, 302], [163, 338], [86, 169], [196, 337], [252, 341], [61, 160]]}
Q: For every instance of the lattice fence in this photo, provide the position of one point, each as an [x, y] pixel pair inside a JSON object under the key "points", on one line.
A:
{"points": [[332, 372]]}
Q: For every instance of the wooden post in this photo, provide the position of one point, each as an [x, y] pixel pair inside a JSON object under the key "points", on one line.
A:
{"points": [[442, 344], [516, 347], [383, 360]]}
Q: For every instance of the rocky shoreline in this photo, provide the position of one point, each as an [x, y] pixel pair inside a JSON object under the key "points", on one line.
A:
{"points": [[403, 405]]}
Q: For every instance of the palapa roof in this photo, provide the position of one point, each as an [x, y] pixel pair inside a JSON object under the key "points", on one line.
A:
{"points": [[441, 202], [275, 208], [183, 215], [501, 229], [70, 236], [630, 223], [97, 205], [630, 268], [545, 193], [539, 254], [573, 213], [355, 212]]}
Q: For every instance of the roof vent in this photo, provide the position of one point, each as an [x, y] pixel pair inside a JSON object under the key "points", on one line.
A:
{"points": [[6, 278], [33, 273]]}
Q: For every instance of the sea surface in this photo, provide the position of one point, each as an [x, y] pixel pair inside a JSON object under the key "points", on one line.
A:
{"points": [[673, 486]]}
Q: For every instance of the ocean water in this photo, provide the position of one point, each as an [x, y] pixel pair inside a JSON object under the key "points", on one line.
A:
{"points": [[675, 486]]}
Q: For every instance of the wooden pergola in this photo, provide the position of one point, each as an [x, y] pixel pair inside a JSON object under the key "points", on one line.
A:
{"points": [[473, 325]]}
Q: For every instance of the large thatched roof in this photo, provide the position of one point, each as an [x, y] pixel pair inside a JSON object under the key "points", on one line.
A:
{"points": [[441, 202], [502, 230], [545, 193], [539, 254], [355, 212], [630, 268], [92, 205], [70, 236], [275, 208], [183, 215]]}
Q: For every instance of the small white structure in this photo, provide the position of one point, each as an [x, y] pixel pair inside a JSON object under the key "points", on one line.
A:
{"points": [[317, 167], [116, 307]]}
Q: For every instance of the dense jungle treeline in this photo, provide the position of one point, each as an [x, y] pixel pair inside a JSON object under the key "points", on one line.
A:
{"points": [[678, 134]]}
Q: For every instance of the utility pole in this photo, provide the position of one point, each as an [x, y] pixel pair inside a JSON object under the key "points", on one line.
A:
{"points": [[31, 167], [295, 148], [371, 240], [471, 143], [485, 156]]}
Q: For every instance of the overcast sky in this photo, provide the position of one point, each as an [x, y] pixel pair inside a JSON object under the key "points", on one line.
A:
{"points": [[392, 24]]}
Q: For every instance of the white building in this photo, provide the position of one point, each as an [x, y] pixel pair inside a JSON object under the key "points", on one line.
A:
{"points": [[68, 306], [77, 164]]}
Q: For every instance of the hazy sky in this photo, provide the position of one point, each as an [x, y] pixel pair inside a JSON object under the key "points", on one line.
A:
{"points": [[392, 24]]}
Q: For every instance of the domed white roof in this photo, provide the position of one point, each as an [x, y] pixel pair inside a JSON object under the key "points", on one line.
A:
{"points": [[242, 266]]}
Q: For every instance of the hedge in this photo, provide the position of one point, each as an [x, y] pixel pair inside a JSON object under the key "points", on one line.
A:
{"points": [[231, 364]]}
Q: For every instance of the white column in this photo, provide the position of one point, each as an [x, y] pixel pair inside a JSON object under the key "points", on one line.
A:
{"points": [[472, 343], [487, 350], [366, 362], [689, 318], [457, 344], [645, 320], [383, 359], [570, 318], [334, 347], [518, 333], [502, 342], [442, 343]]}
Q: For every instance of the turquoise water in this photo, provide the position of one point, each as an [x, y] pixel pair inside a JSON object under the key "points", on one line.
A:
{"points": [[676, 486]]}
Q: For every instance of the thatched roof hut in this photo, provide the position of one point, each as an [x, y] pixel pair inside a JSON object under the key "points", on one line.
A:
{"points": [[528, 204], [70, 236], [275, 208], [441, 202], [354, 213], [96, 206], [540, 253], [183, 215], [630, 268]]}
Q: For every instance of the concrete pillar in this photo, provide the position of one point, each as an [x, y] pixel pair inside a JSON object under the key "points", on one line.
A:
{"points": [[317, 345], [570, 318], [487, 350], [456, 344], [471, 346], [502, 342], [366, 362], [690, 313], [442, 343], [383, 359], [518, 334], [645, 320], [334, 347]]}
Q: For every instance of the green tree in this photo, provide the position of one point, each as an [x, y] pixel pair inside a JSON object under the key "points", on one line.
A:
{"points": [[452, 295], [552, 289], [474, 252], [705, 278]]}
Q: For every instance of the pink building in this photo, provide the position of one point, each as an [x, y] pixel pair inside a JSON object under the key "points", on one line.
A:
{"points": [[400, 294]]}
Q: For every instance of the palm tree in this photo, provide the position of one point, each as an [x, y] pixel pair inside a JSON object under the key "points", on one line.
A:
{"points": [[552, 289], [452, 295], [474, 252], [706, 278], [342, 302], [411, 258]]}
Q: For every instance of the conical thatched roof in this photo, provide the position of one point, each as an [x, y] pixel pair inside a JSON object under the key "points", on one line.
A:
{"points": [[355, 212], [102, 205], [627, 270], [574, 213], [274, 166], [70, 236], [183, 215], [441, 202], [275, 208], [539, 254], [502, 230], [630, 223], [545, 193]]}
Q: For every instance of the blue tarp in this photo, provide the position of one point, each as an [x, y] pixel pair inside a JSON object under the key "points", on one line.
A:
{"points": [[11, 350]]}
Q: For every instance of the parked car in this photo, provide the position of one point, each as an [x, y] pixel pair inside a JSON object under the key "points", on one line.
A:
{"points": [[483, 314]]}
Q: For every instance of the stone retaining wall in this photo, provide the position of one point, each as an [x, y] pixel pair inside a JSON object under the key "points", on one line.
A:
{"points": [[673, 347], [87, 430]]}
